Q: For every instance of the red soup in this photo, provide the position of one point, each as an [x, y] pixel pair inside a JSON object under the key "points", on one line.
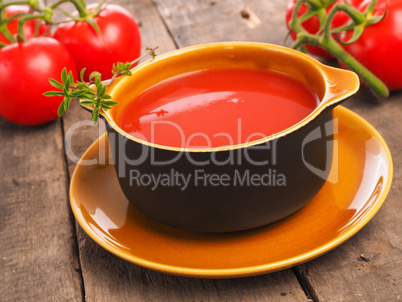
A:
{"points": [[213, 108]]}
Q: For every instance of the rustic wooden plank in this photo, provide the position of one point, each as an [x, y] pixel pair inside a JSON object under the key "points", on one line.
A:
{"points": [[340, 275], [108, 278], [39, 260], [205, 21]]}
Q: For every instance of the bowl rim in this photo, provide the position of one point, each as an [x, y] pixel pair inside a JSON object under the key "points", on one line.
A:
{"points": [[329, 99]]}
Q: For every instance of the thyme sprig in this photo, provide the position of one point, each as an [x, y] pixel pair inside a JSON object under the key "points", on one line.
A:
{"points": [[92, 93]]}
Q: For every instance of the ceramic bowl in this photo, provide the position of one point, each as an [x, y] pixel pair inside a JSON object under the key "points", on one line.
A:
{"points": [[297, 161]]}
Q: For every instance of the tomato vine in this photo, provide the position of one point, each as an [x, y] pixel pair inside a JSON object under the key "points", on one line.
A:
{"points": [[324, 37], [91, 39]]}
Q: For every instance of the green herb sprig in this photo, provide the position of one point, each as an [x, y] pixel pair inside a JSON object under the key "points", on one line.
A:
{"points": [[92, 93]]}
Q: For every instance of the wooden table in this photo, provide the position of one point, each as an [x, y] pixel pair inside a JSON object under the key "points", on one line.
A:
{"points": [[46, 256]]}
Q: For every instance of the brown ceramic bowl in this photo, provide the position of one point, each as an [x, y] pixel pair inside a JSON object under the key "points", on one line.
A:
{"points": [[298, 159]]}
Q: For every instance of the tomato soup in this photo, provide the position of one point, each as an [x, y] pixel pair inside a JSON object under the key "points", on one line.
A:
{"points": [[213, 108]]}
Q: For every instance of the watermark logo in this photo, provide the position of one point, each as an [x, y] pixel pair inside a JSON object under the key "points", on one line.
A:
{"points": [[330, 172], [263, 155], [200, 178]]}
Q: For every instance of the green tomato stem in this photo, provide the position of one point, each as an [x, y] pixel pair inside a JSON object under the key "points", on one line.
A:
{"points": [[343, 28], [327, 42], [353, 13], [295, 22], [356, 16], [3, 27], [315, 4], [79, 6], [23, 20], [6, 33], [375, 84], [330, 2], [371, 7]]}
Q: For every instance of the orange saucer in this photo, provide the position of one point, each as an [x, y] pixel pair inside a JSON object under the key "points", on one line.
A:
{"points": [[364, 169]]}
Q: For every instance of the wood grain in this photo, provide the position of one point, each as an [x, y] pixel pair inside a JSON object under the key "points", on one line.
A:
{"points": [[205, 21], [38, 249]]}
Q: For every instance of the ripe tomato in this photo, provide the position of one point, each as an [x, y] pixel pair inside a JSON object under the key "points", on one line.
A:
{"points": [[26, 68], [379, 48], [312, 25], [119, 40], [29, 26]]}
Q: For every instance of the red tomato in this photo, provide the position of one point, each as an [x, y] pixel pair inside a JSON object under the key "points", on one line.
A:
{"points": [[312, 25], [26, 68], [379, 48], [29, 26], [120, 40]]}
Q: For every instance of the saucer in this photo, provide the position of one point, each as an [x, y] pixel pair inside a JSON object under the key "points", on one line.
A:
{"points": [[362, 172]]}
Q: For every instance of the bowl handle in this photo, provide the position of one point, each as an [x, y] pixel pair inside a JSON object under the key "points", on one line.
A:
{"points": [[340, 84]]}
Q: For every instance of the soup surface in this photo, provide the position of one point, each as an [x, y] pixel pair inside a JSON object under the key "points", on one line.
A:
{"points": [[213, 108]]}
